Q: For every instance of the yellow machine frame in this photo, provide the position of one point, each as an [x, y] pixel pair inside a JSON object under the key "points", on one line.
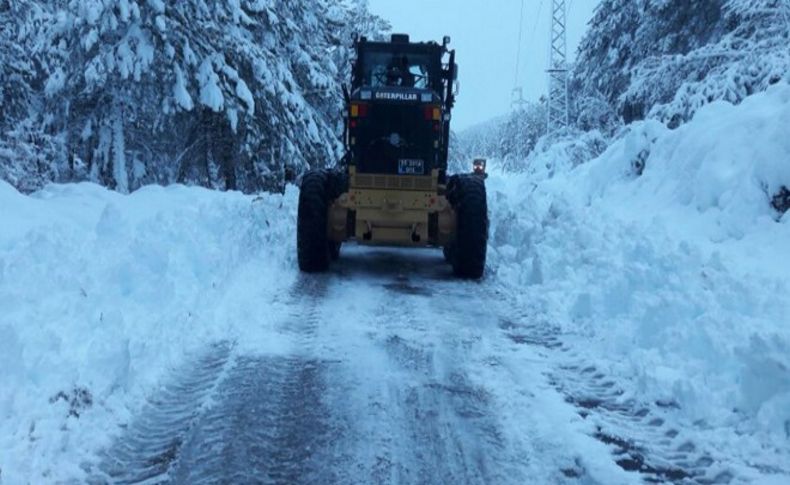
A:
{"points": [[393, 210]]}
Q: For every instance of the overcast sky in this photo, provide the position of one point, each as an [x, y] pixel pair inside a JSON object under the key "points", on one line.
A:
{"points": [[485, 35]]}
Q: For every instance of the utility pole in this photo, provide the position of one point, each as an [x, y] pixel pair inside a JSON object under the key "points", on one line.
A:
{"points": [[517, 100], [557, 109]]}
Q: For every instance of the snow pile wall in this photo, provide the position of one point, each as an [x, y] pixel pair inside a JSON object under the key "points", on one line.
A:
{"points": [[666, 254], [103, 294]]}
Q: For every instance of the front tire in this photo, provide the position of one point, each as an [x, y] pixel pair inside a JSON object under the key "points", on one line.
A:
{"points": [[312, 240], [469, 251]]}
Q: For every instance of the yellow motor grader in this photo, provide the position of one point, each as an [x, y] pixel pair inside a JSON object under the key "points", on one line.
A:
{"points": [[392, 187]]}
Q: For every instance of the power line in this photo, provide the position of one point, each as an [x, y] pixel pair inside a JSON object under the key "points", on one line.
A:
{"points": [[520, 39], [517, 100], [537, 21]]}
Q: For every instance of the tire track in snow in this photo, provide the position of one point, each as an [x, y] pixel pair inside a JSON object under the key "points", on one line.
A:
{"points": [[645, 438], [153, 441], [270, 423], [425, 418], [232, 419], [268, 426], [449, 433]]}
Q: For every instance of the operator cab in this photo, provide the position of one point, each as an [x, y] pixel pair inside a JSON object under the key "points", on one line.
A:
{"points": [[383, 68], [398, 110]]}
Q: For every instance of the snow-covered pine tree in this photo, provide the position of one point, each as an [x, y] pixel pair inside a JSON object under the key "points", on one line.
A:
{"points": [[665, 59], [239, 94], [591, 112], [509, 138], [606, 53], [26, 150], [354, 17], [520, 134]]}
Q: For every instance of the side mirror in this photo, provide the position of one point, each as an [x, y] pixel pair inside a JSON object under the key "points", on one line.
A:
{"points": [[346, 95]]}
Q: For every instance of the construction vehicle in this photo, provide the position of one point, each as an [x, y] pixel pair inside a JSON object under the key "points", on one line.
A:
{"points": [[392, 187]]}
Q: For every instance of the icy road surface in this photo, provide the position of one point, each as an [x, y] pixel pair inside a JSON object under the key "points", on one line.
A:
{"points": [[398, 373]]}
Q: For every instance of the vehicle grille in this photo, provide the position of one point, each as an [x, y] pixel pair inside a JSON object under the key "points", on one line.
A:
{"points": [[392, 182]]}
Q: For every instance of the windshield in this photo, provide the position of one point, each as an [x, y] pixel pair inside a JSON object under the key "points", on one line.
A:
{"points": [[388, 69]]}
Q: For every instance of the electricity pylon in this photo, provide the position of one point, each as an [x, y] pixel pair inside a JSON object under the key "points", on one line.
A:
{"points": [[517, 100], [557, 109]]}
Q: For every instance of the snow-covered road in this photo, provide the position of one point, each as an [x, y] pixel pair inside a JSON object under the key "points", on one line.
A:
{"points": [[397, 373]]}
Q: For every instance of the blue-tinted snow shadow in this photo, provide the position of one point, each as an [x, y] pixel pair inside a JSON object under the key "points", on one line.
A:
{"points": [[400, 264]]}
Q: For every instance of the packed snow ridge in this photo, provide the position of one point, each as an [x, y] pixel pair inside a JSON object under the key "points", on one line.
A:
{"points": [[667, 255], [663, 258]]}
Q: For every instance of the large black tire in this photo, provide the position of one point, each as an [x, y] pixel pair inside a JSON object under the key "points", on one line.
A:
{"points": [[468, 254], [312, 240], [337, 184]]}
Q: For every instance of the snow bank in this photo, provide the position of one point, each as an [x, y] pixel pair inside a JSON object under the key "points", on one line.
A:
{"points": [[103, 293], [680, 275]]}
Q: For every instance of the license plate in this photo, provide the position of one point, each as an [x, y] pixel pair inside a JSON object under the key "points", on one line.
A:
{"points": [[411, 167]]}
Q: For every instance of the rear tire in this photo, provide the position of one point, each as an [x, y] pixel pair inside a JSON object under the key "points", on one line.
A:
{"points": [[468, 254], [337, 184], [312, 240]]}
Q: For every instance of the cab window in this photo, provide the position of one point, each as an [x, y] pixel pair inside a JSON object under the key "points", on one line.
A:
{"points": [[380, 69]]}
